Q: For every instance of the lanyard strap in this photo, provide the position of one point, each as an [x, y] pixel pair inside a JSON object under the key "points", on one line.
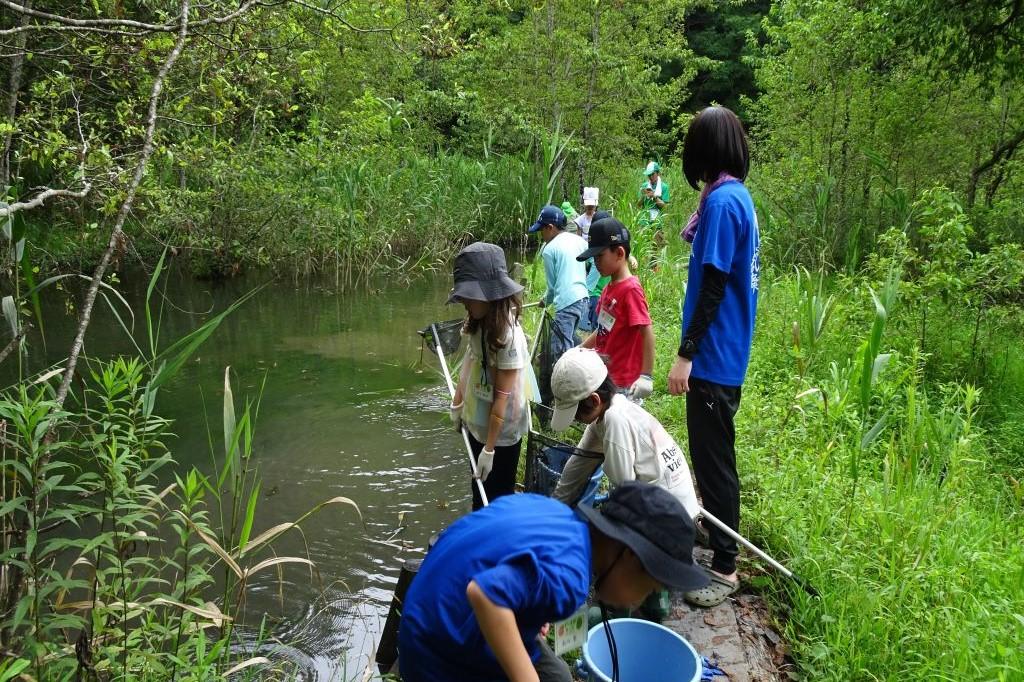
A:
{"points": [[484, 379]]}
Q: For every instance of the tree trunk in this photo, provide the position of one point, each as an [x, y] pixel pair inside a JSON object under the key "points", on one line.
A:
{"points": [[1001, 153], [997, 181], [13, 88]]}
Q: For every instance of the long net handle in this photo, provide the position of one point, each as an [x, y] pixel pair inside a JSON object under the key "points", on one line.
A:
{"points": [[536, 334], [465, 435], [759, 552]]}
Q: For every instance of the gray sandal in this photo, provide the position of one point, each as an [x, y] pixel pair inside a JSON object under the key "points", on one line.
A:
{"points": [[714, 594]]}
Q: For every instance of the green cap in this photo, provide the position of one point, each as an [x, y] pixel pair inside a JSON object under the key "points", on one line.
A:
{"points": [[652, 167]]}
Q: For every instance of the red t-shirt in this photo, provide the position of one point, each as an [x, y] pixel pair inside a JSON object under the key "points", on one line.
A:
{"points": [[621, 315]]}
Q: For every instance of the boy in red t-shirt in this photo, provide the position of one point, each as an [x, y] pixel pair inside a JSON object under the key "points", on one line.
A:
{"points": [[624, 336]]}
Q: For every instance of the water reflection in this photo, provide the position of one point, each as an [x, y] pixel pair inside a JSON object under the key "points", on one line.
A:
{"points": [[347, 410]]}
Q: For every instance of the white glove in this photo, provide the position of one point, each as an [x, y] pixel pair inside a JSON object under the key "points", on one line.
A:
{"points": [[484, 463], [641, 388], [455, 411]]}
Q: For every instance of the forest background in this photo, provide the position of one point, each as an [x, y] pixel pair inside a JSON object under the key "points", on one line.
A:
{"points": [[365, 138]]}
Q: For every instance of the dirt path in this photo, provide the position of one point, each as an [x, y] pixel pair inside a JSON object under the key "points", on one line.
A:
{"points": [[736, 635]]}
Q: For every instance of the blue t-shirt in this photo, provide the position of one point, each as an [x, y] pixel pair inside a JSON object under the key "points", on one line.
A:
{"points": [[727, 239], [527, 553]]}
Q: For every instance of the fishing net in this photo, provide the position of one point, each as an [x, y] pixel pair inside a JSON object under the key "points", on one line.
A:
{"points": [[448, 333], [543, 362], [546, 458]]}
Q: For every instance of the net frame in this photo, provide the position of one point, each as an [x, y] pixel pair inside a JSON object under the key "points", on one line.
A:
{"points": [[546, 458], [449, 333]]}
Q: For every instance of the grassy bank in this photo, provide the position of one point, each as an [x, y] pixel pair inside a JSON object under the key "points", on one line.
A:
{"points": [[892, 488]]}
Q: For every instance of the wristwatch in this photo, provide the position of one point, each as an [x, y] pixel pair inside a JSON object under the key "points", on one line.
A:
{"points": [[687, 349]]}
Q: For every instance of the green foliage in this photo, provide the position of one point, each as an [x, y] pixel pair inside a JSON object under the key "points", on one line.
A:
{"points": [[883, 486], [724, 38], [262, 127], [981, 35], [852, 125], [99, 558]]}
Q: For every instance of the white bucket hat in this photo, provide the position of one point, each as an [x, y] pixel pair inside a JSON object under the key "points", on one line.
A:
{"points": [[577, 374], [590, 196]]}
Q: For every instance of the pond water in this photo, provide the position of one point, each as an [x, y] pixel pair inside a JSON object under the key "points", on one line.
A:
{"points": [[350, 407]]}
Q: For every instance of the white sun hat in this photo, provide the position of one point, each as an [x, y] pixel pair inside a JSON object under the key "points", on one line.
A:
{"points": [[577, 374]]}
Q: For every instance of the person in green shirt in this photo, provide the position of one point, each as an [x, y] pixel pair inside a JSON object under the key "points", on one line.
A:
{"points": [[569, 211], [654, 196]]}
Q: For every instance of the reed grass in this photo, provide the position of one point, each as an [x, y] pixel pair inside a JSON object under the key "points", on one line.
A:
{"points": [[893, 501]]}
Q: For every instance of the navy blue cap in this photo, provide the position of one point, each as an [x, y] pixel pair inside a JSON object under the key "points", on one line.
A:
{"points": [[549, 215]]}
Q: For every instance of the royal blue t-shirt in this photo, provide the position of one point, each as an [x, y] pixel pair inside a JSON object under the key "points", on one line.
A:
{"points": [[727, 239], [527, 553]]}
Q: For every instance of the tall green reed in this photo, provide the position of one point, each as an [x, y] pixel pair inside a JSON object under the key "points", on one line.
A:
{"points": [[909, 527]]}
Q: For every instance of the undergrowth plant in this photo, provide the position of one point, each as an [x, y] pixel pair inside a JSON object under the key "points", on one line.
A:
{"points": [[114, 563], [878, 466]]}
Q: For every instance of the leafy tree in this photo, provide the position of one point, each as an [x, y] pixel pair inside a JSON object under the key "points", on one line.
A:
{"points": [[853, 123], [721, 35]]}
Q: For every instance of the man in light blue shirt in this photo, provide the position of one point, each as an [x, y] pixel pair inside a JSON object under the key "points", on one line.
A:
{"points": [[566, 277]]}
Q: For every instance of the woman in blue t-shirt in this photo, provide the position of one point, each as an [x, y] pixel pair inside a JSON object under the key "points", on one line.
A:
{"points": [[718, 325]]}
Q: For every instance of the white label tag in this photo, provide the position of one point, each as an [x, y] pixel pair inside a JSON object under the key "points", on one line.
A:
{"points": [[571, 633], [484, 392], [605, 320]]}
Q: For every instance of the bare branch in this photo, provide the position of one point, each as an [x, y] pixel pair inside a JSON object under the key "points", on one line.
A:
{"points": [[14, 342], [117, 234], [1003, 151], [124, 23], [41, 198], [62, 27]]}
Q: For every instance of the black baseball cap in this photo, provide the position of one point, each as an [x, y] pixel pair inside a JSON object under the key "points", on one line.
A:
{"points": [[604, 233], [653, 523]]}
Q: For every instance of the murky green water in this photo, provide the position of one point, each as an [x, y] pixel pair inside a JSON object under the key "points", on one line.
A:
{"points": [[348, 409]]}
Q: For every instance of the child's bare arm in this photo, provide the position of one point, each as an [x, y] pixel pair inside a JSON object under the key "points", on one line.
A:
{"points": [[498, 625], [504, 383], [590, 341], [647, 367]]}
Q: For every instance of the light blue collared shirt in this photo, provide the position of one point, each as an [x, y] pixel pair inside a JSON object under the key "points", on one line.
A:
{"points": [[566, 276]]}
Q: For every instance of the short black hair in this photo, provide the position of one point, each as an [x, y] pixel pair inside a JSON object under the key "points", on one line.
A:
{"points": [[715, 143], [624, 246], [605, 392]]}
